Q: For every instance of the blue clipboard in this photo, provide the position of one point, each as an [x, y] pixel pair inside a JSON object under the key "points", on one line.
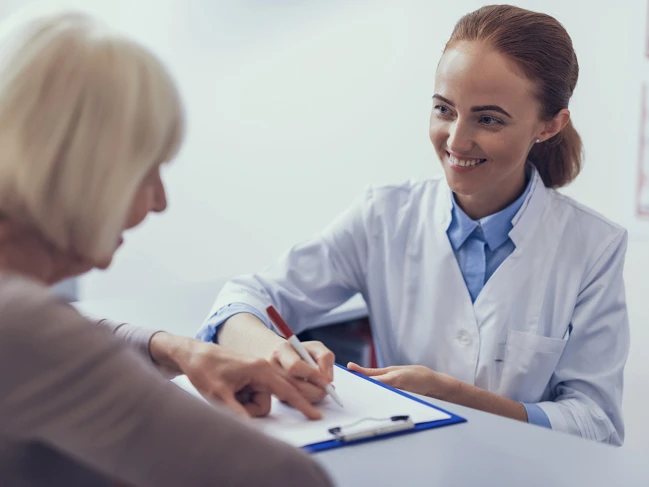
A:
{"points": [[337, 443]]}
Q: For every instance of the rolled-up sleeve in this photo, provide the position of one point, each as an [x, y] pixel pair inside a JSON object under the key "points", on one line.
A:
{"points": [[209, 330], [307, 282], [536, 416]]}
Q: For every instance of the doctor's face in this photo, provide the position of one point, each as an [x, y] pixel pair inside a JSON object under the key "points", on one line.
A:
{"points": [[484, 121]]}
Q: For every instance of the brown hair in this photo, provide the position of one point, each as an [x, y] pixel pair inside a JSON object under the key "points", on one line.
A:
{"points": [[543, 50]]}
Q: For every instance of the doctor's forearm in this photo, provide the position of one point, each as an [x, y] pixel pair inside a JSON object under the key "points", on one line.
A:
{"points": [[246, 333], [473, 397]]}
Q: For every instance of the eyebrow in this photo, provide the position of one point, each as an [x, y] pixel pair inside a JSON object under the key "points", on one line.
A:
{"points": [[482, 108]]}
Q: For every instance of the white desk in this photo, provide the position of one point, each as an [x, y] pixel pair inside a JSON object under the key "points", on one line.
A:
{"points": [[486, 451]]}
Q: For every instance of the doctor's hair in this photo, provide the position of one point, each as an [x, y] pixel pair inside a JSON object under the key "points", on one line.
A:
{"points": [[85, 114], [543, 51]]}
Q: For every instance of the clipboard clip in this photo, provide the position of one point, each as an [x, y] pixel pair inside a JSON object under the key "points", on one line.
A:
{"points": [[370, 427]]}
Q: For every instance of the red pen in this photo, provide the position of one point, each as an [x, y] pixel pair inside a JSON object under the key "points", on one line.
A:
{"points": [[284, 329]]}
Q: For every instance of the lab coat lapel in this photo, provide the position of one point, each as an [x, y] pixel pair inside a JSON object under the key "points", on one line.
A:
{"points": [[448, 303], [512, 298]]}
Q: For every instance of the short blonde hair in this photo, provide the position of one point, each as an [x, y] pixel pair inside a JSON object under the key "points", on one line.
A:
{"points": [[85, 114]]}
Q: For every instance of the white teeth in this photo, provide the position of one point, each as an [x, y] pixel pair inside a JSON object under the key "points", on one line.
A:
{"points": [[464, 162]]}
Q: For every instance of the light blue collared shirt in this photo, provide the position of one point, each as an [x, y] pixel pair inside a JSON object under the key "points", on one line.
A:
{"points": [[480, 246]]}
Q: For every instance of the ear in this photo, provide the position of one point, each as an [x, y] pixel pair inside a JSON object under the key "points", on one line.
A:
{"points": [[554, 126]]}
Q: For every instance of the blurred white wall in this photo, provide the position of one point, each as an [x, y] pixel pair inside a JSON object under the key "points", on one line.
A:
{"points": [[294, 106]]}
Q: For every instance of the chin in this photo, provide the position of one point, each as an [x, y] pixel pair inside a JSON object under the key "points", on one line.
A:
{"points": [[460, 184], [462, 189], [104, 263]]}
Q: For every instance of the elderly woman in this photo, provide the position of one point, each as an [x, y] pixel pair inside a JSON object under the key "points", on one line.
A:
{"points": [[86, 120]]}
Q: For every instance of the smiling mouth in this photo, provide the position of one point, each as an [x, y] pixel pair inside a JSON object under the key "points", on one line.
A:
{"points": [[454, 161]]}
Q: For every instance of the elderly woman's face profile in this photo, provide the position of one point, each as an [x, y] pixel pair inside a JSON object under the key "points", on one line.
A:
{"points": [[150, 197]]}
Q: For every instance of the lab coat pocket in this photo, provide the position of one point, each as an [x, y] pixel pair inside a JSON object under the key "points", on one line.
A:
{"points": [[528, 362]]}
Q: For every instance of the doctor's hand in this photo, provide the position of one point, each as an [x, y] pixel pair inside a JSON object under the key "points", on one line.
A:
{"points": [[411, 378], [427, 382], [305, 378], [243, 383]]}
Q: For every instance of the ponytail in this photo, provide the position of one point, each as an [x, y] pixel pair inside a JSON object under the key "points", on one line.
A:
{"points": [[558, 160]]}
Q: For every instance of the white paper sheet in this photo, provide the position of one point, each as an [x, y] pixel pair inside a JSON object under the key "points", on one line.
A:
{"points": [[361, 398]]}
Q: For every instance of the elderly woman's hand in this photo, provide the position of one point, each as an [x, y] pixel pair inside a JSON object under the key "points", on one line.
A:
{"points": [[245, 384]]}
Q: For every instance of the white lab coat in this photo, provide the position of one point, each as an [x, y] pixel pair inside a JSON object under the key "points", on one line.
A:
{"points": [[549, 327]]}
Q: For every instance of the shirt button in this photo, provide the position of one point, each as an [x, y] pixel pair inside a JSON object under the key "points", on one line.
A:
{"points": [[464, 338], [479, 229]]}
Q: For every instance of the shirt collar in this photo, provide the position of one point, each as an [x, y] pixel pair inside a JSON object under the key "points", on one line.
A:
{"points": [[495, 228]]}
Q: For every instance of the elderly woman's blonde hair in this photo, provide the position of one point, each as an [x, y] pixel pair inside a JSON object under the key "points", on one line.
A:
{"points": [[85, 114]]}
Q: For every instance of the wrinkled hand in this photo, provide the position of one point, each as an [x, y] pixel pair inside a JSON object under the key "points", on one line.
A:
{"points": [[411, 378], [309, 381], [243, 383]]}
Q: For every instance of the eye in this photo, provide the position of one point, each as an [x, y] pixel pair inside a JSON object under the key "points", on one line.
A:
{"points": [[487, 120], [442, 110]]}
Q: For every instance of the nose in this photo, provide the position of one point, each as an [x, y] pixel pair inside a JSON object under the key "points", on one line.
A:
{"points": [[460, 138]]}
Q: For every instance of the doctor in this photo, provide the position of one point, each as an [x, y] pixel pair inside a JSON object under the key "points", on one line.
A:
{"points": [[487, 288]]}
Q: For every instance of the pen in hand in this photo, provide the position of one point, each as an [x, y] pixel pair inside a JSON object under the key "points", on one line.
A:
{"points": [[284, 329]]}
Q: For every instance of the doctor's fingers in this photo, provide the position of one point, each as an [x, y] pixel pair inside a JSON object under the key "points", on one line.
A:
{"points": [[394, 378], [371, 372], [294, 367], [309, 391], [324, 357]]}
